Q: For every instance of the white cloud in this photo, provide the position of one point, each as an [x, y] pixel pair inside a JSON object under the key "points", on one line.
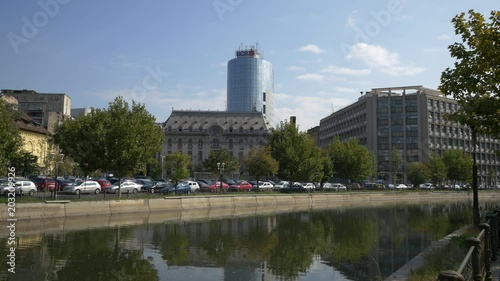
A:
{"points": [[296, 68], [311, 77], [311, 48], [346, 71], [382, 59], [444, 37]]}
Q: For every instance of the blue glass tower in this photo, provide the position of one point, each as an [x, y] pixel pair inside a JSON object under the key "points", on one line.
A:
{"points": [[250, 83]]}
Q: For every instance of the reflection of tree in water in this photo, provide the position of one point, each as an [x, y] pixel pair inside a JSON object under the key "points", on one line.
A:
{"points": [[297, 242], [219, 244], [352, 237], [173, 245], [100, 255], [439, 221]]}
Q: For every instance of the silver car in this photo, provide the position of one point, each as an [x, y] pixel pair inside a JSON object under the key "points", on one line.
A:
{"points": [[83, 187], [127, 186]]}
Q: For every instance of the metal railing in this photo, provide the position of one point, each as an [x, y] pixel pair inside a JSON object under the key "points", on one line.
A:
{"points": [[476, 266]]}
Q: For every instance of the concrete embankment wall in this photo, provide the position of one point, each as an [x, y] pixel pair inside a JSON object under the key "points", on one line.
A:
{"points": [[214, 206], [53, 217]]}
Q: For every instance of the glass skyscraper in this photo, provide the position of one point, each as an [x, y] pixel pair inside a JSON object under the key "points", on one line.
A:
{"points": [[250, 83]]}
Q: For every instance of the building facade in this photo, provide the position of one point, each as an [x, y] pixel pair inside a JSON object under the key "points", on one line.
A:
{"points": [[197, 133], [46, 109], [412, 120], [250, 83], [35, 139]]}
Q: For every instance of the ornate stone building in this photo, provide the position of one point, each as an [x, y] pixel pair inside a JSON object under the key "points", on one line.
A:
{"points": [[197, 133]]}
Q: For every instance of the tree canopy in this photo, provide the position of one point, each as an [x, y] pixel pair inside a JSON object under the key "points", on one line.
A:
{"points": [[260, 163], [177, 163], [298, 157], [221, 156], [459, 165], [437, 168], [10, 136], [474, 80], [351, 160], [121, 138]]}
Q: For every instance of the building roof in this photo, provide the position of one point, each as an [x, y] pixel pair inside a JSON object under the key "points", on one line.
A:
{"points": [[205, 119], [26, 123]]}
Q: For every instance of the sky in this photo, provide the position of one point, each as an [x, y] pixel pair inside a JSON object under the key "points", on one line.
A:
{"points": [[173, 54]]}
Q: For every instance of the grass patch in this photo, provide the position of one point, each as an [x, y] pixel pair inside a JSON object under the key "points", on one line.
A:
{"points": [[448, 257]]}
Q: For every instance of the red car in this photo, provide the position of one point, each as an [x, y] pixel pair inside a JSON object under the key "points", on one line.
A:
{"points": [[241, 185], [104, 183], [43, 184], [215, 187]]}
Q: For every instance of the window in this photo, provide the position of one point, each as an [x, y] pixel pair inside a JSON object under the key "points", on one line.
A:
{"points": [[264, 109], [200, 144], [179, 144], [264, 96], [190, 143]]}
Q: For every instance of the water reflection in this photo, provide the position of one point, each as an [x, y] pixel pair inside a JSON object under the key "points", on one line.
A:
{"points": [[340, 244]]}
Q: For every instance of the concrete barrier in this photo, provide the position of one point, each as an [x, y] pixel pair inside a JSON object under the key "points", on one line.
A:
{"points": [[129, 206], [165, 204], [165, 216], [38, 211], [87, 208], [216, 202], [266, 200], [244, 202], [195, 203], [303, 200]]}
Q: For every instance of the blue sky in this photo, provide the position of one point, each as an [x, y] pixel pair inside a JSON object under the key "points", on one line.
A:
{"points": [[173, 54]]}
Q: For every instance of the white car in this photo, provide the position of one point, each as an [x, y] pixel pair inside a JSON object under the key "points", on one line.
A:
{"points": [[401, 186], [83, 187], [427, 186], [309, 186], [334, 186], [127, 186], [25, 187], [195, 187], [264, 186]]}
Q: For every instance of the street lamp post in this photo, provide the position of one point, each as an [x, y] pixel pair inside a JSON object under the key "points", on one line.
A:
{"points": [[221, 166], [162, 166], [56, 161]]}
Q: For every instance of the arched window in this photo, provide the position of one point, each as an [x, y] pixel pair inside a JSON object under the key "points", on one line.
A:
{"points": [[180, 128]]}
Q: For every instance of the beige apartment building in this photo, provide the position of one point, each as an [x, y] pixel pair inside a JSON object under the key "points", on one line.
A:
{"points": [[411, 119]]}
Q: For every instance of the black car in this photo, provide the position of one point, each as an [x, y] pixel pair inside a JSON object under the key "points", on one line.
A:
{"points": [[159, 185], [204, 186]]}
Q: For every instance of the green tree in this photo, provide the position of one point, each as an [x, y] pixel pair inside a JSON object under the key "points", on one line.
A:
{"points": [[120, 138], [10, 136], [437, 168], [459, 165], [418, 173], [221, 156], [260, 163], [298, 157], [396, 160], [473, 81], [25, 163], [83, 140], [177, 163], [327, 167], [351, 160]]}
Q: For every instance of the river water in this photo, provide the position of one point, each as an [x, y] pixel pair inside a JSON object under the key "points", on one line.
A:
{"points": [[336, 244]]}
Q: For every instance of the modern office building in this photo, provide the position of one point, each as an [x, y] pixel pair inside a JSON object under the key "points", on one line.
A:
{"points": [[197, 133], [81, 111], [412, 120], [250, 83], [46, 109]]}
